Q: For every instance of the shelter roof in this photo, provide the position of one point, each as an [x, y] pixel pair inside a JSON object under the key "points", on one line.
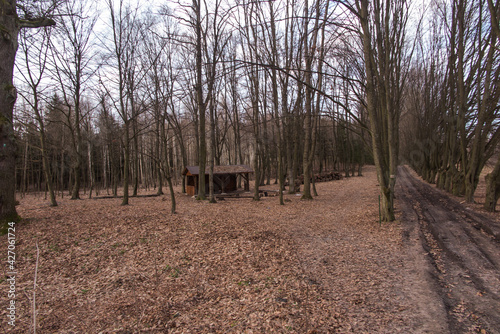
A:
{"points": [[227, 169]]}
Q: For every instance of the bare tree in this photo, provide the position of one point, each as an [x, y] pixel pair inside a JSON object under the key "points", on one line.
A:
{"points": [[274, 82], [383, 26], [126, 30], [158, 54], [252, 57], [34, 56], [200, 100], [71, 50]]}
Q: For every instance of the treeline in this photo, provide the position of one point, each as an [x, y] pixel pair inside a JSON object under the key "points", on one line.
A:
{"points": [[451, 127], [126, 105], [103, 152]]}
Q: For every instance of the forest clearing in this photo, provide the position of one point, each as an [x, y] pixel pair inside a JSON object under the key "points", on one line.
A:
{"points": [[150, 155], [237, 266]]}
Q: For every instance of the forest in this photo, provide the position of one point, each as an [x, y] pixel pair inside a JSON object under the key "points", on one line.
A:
{"points": [[116, 96], [106, 105]]}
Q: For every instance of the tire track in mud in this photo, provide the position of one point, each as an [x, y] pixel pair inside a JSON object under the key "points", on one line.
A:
{"points": [[464, 250]]}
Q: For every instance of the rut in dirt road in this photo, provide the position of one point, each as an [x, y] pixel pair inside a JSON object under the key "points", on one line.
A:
{"points": [[463, 252]]}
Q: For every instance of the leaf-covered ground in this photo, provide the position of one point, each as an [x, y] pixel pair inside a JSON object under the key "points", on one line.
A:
{"points": [[237, 266]]}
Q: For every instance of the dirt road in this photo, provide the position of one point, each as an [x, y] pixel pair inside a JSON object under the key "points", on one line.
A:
{"points": [[455, 278]]}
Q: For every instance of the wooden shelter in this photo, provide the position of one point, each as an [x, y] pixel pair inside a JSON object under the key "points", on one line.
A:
{"points": [[225, 178]]}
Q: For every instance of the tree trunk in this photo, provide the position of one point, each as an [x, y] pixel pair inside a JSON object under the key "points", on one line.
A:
{"points": [[381, 119], [126, 163], [212, 151], [493, 187], [166, 166], [274, 81], [157, 162], [77, 170], [45, 162], [309, 117], [172, 194], [136, 146], [200, 104], [8, 95], [91, 168], [24, 186]]}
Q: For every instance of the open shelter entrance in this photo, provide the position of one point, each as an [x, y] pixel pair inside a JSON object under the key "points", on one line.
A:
{"points": [[225, 178]]}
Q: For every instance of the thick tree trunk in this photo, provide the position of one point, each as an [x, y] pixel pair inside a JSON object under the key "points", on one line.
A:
{"points": [[8, 95], [306, 194], [493, 187]]}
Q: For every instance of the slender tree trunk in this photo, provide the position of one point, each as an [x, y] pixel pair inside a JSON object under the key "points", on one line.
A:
{"points": [[266, 166], [274, 81], [136, 149], [126, 163], [309, 117], [493, 187], [257, 153], [77, 170], [166, 166], [46, 167], [91, 168], [172, 194], [212, 151], [200, 104], [317, 109], [237, 135], [157, 163], [25, 169]]}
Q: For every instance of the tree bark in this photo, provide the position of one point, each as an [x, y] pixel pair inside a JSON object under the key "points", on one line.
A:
{"points": [[493, 187], [274, 81], [212, 151], [200, 103], [8, 95], [309, 121], [126, 163]]}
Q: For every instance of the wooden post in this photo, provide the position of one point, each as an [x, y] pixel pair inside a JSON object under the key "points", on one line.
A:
{"points": [[247, 184]]}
